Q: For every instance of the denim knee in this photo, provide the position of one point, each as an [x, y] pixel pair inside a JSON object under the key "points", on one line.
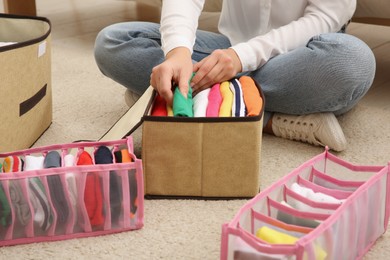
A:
{"points": [[351, 64], [100, 49]]}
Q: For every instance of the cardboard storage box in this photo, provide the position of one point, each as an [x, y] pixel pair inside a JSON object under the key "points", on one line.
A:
{"points": [[25, 86]]}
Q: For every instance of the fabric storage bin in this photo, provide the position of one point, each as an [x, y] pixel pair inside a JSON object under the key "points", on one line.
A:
{"points": [[68, 191], [195, 157], [26, 103], [326, 208], [201, 157]]}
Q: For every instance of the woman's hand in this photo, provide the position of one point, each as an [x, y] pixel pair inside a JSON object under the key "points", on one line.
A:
{"points": [[177, 68], [221, 65]]}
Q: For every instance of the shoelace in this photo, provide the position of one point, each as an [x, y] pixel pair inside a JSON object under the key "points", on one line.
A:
{"points": [[299, 131]]}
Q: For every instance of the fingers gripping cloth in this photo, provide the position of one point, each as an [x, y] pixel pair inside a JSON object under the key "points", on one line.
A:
{"points": [[53, 160], [93, 196], [103, 155], [183, 106]]}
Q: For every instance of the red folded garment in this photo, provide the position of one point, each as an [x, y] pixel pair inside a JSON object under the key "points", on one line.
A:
{"points": [[93, 196]]}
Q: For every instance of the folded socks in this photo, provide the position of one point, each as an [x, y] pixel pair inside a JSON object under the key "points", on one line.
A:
{"points": [[19, 202], [123, 156], [38, 197], [53, 160], [13, 164], [5, 209], [93, 196], [103, 155], [71, 181]]}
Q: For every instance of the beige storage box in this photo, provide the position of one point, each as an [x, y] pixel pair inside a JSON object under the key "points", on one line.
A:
{"points": [[25, 80]]}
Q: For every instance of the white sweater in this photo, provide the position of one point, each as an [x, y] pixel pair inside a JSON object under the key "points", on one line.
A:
{"points": [[257, 29]]}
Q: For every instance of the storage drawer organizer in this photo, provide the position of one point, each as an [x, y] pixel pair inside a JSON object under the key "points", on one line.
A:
{"points": [[72, 190], [326, 208]]}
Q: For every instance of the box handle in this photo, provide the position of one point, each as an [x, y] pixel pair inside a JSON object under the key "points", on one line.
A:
{"points": [[30, 103]]}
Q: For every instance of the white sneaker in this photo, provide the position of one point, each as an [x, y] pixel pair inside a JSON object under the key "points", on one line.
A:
{"points": [[131, 98], [321, 129]]}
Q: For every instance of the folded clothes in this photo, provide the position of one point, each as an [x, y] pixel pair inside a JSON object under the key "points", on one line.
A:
{"points": [[252, 97], [201, 102], [70, 177], [314, 196], [225, 109], [43, 215], [123, 156], [103, 155], [159, 106], [93, 196], [169, 110], [275, 237], [12, 164], [57, 194], [33, 162], [214, 101], [294, 220], [19, 202], [238, 106], [182, 106], [5, 208]]}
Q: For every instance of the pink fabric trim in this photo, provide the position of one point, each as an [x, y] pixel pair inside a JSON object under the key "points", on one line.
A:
{"points": [[321, 175]]}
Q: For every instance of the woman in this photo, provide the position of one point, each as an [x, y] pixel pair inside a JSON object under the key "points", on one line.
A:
{"points": [[310, 71]]}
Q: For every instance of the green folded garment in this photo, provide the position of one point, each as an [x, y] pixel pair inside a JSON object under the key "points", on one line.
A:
{"points": [[5, 209], [183, 106]]}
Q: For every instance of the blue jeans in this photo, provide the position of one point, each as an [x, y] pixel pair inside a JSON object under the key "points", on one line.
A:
{"points": [[330, 74]]}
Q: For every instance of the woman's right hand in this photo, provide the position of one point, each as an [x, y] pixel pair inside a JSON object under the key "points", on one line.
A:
{"points": [[176, 68]]}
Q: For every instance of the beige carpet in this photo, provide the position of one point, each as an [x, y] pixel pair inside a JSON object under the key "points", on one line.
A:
{"points": [[86, 104]]}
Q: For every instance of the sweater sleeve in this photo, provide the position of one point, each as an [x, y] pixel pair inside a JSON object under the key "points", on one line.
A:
{"points": [[179, 22], [319, 17]]}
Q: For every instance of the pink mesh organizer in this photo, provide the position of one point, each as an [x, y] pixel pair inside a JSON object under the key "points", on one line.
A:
{"points": [[68, 191], [326, 208]]}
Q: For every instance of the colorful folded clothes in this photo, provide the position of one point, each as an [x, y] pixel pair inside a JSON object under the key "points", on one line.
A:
{"points": [[234, 98]]}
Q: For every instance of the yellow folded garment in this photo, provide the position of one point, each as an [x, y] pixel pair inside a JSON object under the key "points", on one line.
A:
{"points": [[169, 110], [275, 237], [227, 100]]}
